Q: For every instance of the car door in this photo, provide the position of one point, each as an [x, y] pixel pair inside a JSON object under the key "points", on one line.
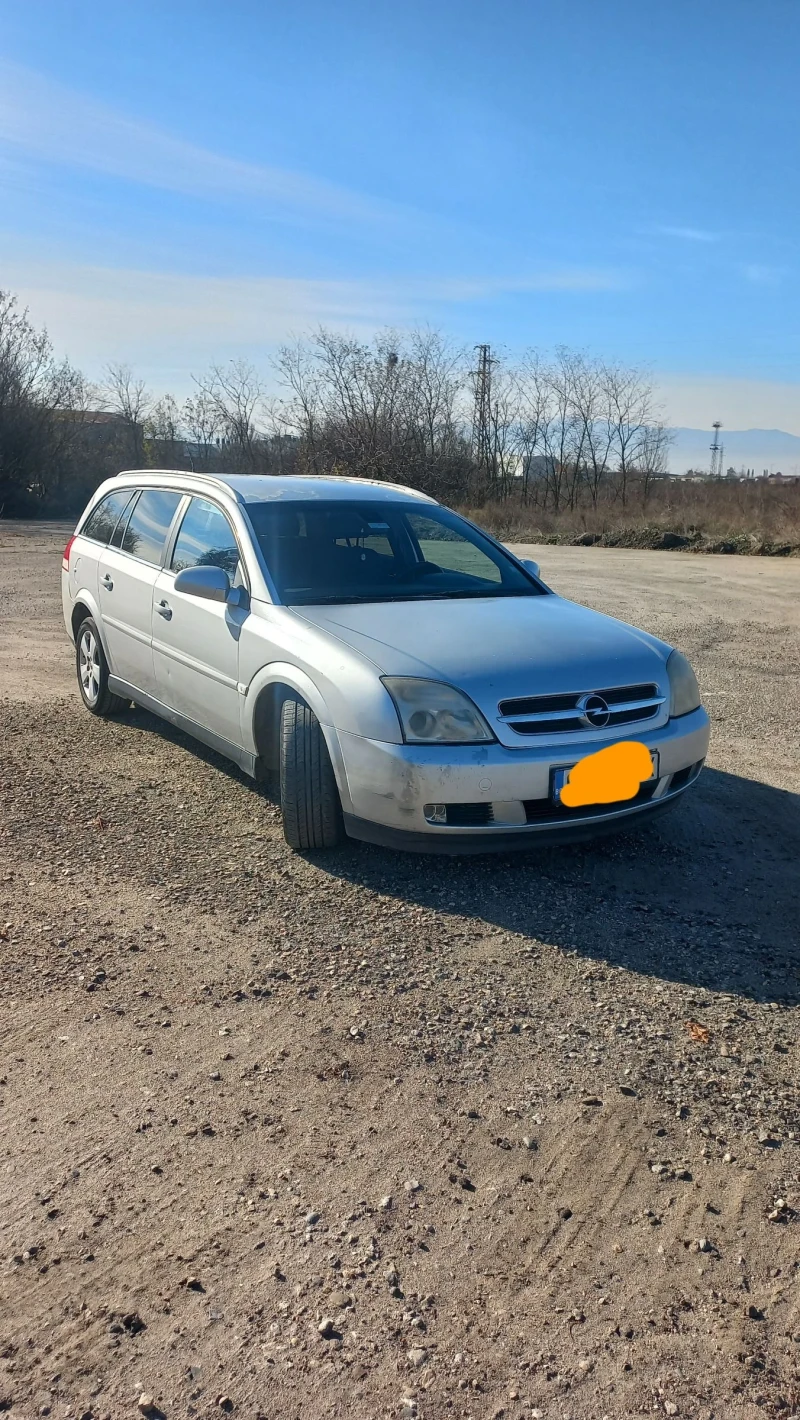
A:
{"points": [[94, 536], [196, 642], [127, 575]]}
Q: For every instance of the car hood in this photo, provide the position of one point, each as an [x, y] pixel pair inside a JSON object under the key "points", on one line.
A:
{"points": [[498, 647]]}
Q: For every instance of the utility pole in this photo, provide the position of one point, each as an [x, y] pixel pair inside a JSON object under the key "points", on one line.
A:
{"points": [[482, 441], [717, 451]]}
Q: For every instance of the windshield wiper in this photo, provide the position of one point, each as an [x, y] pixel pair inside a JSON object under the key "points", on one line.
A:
{"points": [[378, 599], [332, 601], [450, 596]]}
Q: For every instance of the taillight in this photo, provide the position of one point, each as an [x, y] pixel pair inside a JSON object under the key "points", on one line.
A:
{"points": [[67, 549]]}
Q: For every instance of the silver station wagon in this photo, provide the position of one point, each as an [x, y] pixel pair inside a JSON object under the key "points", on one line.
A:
{"points": [[403, 677]]}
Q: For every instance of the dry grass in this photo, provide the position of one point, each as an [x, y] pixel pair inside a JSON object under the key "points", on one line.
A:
{"points": [[741, 517]]}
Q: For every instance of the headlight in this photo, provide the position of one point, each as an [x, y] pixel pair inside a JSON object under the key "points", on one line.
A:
{"points": [[684, 692], [433, 713]]}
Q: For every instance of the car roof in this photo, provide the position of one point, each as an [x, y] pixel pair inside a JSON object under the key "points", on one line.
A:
{"points": [[263, 488]]}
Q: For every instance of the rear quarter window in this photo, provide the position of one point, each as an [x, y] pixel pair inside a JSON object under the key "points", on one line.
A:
{"points": [[102, 520]]}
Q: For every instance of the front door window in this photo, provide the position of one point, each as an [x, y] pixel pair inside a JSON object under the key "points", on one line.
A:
{"points": [[205, 539]]}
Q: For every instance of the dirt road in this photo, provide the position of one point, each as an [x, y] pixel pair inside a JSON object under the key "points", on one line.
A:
{"points": [[368, 1135]]}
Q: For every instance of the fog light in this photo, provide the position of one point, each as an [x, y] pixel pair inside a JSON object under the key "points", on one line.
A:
{"points": [[435, 813]]}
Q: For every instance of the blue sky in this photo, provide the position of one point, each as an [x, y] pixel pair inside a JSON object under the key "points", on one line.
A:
{"points": [[187, 181]]}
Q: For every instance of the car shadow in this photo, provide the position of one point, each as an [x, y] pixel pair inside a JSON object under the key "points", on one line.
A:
{"points": [[707, 894], [152, 724]]}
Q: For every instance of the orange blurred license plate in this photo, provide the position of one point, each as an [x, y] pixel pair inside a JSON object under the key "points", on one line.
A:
{"points": [[560, 776]]}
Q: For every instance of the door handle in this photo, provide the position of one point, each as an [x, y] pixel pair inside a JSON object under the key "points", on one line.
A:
{"points": [[164, 609], [107, 583]]}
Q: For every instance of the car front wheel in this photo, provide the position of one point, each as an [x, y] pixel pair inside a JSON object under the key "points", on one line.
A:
{"points": [[92, 668], [312, 812]]}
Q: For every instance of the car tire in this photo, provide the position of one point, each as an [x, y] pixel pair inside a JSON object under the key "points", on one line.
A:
{"points": [[92, 670], [312, 811]]}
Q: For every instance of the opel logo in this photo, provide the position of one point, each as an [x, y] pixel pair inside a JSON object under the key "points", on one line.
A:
{"points": [[593, 711]]}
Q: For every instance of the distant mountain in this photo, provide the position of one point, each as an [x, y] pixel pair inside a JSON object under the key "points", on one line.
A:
{"points": [[772, 449]]}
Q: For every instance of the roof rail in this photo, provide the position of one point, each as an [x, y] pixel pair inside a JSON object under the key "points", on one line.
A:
{"points": [[211, 478]]}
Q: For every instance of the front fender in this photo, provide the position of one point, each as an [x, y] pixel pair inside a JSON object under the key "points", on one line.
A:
{"points": [[281, 673]]}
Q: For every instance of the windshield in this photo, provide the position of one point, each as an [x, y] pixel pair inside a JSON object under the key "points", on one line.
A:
{"points": [[337, 551]]}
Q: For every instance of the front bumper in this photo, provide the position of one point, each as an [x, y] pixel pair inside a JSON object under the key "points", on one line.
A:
{"points": [[506, 791]]}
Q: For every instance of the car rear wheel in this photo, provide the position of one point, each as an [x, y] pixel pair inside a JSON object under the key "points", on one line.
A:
{"points": [[312, 812], [92, 668]]}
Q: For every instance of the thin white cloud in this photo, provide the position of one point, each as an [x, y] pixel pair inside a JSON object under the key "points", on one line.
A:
{"points": [[688, 234], [161, 321], [168, 326], [567, 279], [695, 401], [762, 275], [49, 122]]}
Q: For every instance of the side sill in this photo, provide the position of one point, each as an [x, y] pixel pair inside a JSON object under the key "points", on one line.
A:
{"points": [[242, 757]]}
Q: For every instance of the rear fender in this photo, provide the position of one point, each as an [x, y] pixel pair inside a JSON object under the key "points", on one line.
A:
{"points": [[84, 598]]}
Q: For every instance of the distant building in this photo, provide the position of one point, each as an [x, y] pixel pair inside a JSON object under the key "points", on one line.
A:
{"points": [[100, 424]]}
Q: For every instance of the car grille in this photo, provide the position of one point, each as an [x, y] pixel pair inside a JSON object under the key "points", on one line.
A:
{"points": [[560, 714]]}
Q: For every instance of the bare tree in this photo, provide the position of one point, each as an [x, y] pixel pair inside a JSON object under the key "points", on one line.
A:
{"points": [[435, 386], [25, 358], [597, 432], [45, 407], [25, 353], [129, 399], [164, 433], [631, 413], [233, 393], [302, 412], [386, 410], [361, 392], [573, 434], [201, 419], [562, 432], [653, 459], [534, 400], [70, 401], [504, 431]]}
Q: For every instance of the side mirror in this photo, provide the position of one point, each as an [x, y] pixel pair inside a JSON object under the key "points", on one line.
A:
{"points": [[211, 583], [531, 566]]}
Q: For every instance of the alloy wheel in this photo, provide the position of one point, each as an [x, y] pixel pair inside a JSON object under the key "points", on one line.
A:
{"points": [[89, 661]]}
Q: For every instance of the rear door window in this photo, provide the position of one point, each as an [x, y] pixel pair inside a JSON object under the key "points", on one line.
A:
{"points": [[101, 522], [149, 524]]}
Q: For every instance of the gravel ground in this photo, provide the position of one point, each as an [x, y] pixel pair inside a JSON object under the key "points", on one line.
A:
{"points": [[371, 1135]]}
